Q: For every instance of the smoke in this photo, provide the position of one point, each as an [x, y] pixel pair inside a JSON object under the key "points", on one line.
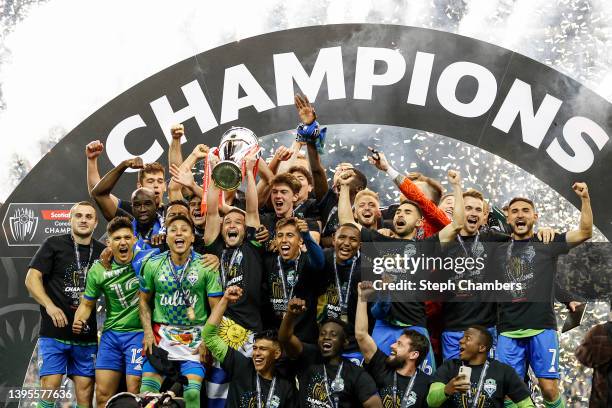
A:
{"points": [[61, 60]]}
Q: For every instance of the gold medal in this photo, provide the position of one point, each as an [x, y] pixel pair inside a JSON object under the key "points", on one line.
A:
{"points": [[191, 313], [344, 317]]}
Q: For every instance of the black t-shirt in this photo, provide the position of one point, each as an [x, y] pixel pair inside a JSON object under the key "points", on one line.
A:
{"points": [[328, 209], [306, 285], [384, 377], [500, 380], [535, 266], [461, 314], [242, 391], [358, 384], [63, 282], [331, 300], [246, 272], [405, 313], [307, 209]]}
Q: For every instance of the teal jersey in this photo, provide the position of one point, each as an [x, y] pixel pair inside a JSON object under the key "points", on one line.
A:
{"points": [[172, 289], [120, 289]]}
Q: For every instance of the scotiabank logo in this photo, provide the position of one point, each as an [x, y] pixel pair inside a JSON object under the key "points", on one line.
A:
{"points": [[56, 215], [29, 224]]}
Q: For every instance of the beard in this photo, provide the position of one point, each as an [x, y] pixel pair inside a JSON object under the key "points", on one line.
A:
{"points": [[80, 234], [394, 363]]}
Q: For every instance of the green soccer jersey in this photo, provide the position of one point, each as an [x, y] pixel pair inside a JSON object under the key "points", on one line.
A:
{"points": [[120, 289], [171, 289]]}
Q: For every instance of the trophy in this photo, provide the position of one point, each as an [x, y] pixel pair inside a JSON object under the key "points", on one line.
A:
{"points": [[235, 144]]}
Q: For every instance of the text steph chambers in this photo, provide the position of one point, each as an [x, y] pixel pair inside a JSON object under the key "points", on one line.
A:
{"points": [[447, 286]]}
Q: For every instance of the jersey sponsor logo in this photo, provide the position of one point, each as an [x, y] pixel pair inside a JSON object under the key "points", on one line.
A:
{"points": [[29, 224], [176, 299]]}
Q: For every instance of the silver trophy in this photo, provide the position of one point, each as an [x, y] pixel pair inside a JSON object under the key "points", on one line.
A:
{"points": [[233, 147]]}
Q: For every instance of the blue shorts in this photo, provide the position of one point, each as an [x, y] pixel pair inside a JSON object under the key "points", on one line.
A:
{"points": [[450, 343], [187, 367], [385, 334], [55, 357], [541, 352], [121, 351]]}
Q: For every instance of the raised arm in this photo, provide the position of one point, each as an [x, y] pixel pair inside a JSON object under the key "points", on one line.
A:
{"points": [[213, 219], [101, 193], [92, 151], [449, 233], [291, 344], [366, 343], [252, 207], [316, 257], [345, 210], [434, 215], [585, 229], [175, 155]]}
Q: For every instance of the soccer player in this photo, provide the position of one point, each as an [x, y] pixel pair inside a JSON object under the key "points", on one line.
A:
{"points": [[399, 380], [147, 223], [253, 381], [325, 379], [528, 330], [178, 285], [150, 175], [367, 209], [293, 273], [342, 274], [285, 189], [305, 207], [489, 380], [120, 349], [55, 279]]}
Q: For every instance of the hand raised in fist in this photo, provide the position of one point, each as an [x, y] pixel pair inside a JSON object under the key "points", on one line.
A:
{"points": [[453, 177], [94, 149], [283, 153], [581, 189], [296, 306], [378, 159], [233, 294], [200, 151], [177, 131], [134, 163], [365, 289], [306, 111]]}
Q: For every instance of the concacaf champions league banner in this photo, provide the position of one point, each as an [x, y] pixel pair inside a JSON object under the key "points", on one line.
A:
{"points": [[469, 90]]}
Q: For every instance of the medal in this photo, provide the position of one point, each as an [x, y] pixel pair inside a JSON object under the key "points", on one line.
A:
{"points": [[344, 317], [274, 402], [337, 385], [291, 278], [191, 313]]}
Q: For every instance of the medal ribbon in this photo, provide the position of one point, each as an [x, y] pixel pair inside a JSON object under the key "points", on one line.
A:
{"points": [[77, 257], [179, 280], [329, 394], [344, 303], [480, 384], [408, 390], [270, 392], [230, 265]]}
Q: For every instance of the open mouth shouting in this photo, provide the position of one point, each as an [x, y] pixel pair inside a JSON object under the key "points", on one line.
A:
{"points": [[279, 204], [345, 252], [400, 222], [520, 225], [326, 346], [472, 221], [180, 244], [285, 250]]}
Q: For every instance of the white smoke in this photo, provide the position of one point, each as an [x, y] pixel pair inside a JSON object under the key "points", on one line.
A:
{"points": [[66, 58]]}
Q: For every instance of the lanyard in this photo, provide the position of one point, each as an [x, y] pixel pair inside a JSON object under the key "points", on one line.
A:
{"points": [[179, 280], [331, 214], [77, 257], [297, 208], [480, 383], [474, 244], [336, 386], [270, 393], [408, 390], [230, 265], [343, 303], [292, 282]]}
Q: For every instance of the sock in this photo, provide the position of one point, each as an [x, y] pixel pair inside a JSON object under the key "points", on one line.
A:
{"points": [[191, 394], [150, 384], [558, 403], [45, 404], [509, 404]]}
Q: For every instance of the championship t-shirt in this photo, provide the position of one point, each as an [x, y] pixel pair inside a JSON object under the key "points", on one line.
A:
{"points": [[358, 385], [172, 289], [534, 265], [340, 304], [242, 391], [64, 282], [242, 266], [386, 378], [466, 311], [328, 210], [404, 313], [499, 380]]}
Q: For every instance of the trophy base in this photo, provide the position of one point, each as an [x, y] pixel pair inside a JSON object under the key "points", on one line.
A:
{"points": [[227, 176]]}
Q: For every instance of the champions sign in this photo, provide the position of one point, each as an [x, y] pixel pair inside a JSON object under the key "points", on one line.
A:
{"points": [[469, 90]]}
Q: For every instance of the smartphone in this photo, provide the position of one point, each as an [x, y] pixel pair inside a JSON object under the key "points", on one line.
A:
{"points": [[466, 372]]}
